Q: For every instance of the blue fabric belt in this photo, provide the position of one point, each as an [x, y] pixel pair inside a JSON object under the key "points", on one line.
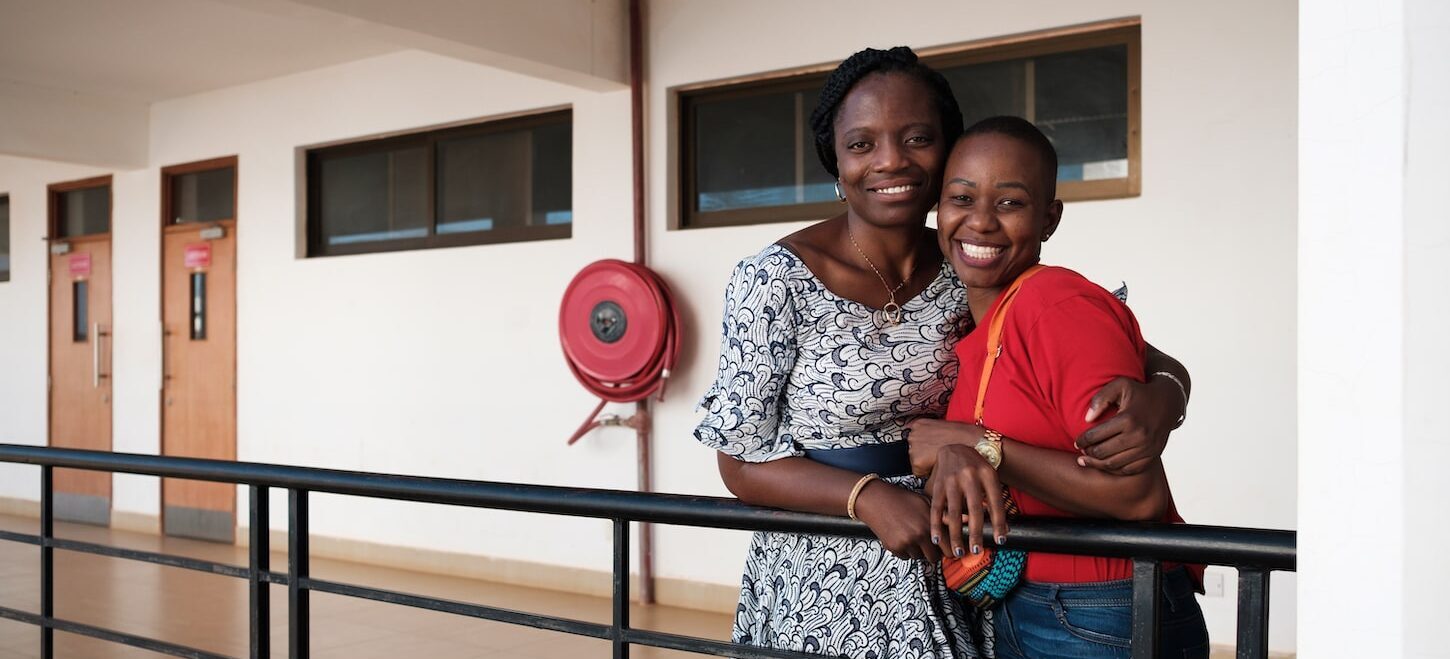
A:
{"points": [[882, 459]]}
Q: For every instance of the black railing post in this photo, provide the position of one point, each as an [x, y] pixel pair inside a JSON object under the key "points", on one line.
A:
{"points": [[47, 561], [299, 618], [1253, 636], [1147, 584], [621, 588], [259, 559]]}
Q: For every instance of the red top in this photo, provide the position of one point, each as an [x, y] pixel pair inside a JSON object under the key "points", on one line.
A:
{"points": [[1063, 339]]}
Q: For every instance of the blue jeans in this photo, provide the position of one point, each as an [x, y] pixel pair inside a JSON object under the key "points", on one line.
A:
{"points": [[1090, 620]]}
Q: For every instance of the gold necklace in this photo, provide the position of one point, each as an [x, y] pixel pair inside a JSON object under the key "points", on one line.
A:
{"points": [[892, 311]]}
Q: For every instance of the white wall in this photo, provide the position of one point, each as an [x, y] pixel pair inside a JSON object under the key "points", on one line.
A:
{"points": [[438, 362], [445, 362], [23, 304]]}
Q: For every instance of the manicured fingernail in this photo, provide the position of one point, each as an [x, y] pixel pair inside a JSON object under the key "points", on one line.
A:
{"points": [[936, 540], [1001, 539], [957, 551], [976, 549], [1082, 462]]}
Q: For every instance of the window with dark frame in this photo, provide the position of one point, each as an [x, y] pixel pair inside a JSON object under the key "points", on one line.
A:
{"points": [[501, 181], [81, 211], [201, 195], [4, 238], [747, 155]]}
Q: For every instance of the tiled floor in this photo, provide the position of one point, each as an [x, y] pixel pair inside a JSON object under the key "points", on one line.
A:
{"points": [[210, 612]]}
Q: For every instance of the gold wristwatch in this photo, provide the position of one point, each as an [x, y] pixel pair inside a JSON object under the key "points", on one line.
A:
{"points": [[990, 446]]}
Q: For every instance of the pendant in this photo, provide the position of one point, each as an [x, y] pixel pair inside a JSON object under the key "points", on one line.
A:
{"points": [[892, 313]]}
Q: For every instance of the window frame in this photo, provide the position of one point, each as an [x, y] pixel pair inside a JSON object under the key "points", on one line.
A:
{"points": [[53, 193], [316, 245], [9, 247], [168, 178], [757, 214], [1125, 32]]}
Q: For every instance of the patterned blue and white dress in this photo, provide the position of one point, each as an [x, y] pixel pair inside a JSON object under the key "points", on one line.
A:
{"points": [[801, 367]]}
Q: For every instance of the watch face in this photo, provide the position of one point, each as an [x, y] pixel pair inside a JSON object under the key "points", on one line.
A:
{"points": [[991, 451]]}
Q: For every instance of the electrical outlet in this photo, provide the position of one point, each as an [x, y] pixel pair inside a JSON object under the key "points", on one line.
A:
{"points": [[1213, 584]]}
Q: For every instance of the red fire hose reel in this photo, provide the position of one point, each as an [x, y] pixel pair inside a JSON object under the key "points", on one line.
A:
{"points": [[620, 332]]}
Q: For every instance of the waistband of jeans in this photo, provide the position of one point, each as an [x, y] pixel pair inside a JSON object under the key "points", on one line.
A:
{"points": [[891, 459], [1176, 583]]}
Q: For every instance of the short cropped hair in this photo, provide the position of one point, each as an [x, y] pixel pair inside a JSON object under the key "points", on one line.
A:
{"points": [[1023, 131]]}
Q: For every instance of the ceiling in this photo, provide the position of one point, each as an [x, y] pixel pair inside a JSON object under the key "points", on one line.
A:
{"points": [[77, 76], [151, 50]]}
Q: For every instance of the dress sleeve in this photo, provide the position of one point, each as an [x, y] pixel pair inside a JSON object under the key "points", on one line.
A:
{"points": [[757, 351], [1078, 345]]}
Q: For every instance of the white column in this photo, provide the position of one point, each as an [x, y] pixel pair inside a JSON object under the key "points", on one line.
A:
{"points": [[1427, 331], [1374, 319]]}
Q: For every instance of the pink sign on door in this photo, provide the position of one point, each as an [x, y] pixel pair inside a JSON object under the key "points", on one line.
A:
{"points": [[197, 256], [80, 265]]}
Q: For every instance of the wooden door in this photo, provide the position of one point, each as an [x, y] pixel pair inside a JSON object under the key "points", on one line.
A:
{"points": [[199, 345], [80, 371]]}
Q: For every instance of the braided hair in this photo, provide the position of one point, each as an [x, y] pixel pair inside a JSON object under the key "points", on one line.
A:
{"points": [[896, 60]]}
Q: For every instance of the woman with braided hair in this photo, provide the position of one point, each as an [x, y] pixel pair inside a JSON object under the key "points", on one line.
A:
{"points": [[834, 338]]}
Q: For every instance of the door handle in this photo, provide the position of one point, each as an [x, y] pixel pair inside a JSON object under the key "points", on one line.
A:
{"points": [[97, 334], [165, 355]]}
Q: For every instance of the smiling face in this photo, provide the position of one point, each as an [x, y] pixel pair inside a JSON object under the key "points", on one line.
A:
{"points": [[889, 149], [996, 207]]}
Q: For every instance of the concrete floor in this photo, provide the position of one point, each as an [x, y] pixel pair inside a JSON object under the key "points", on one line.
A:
{"points": [[209, 612]]}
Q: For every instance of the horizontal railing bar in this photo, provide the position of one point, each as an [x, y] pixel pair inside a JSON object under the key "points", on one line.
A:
{"points": [[168, 560], [552, 623], [20, 537], [1180, 543], [706, 646], [496, 614], [1270, 549], [112, 636]]}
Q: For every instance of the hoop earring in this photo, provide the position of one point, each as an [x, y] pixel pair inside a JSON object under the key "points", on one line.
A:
{"points": [[840, 195]]}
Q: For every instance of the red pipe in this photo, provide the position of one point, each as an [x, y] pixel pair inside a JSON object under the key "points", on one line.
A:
{"points": [[642, 429]]}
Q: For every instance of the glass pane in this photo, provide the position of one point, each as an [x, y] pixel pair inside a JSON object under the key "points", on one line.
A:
{"points": [[4, 239], [80, 311], [203, 196], [375, 196], [756, 151], [553, 175], [990, 89], [483, 182], [1079, 100], [1082, 106], [198, 305], [84, 212], [816, 183]]}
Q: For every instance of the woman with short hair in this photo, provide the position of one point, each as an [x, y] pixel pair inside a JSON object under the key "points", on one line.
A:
{"points": [[1046, 340]]}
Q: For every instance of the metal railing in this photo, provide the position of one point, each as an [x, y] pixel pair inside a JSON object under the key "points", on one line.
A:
{"points": [[1254, 552]]}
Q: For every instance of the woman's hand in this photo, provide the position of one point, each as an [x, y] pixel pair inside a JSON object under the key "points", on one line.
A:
{"points": [[926, 437], [899, 518], [1127, 444], [964, 485]]}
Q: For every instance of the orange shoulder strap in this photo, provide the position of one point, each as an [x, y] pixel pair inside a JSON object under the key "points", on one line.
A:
{"points": [[994, 337]]}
